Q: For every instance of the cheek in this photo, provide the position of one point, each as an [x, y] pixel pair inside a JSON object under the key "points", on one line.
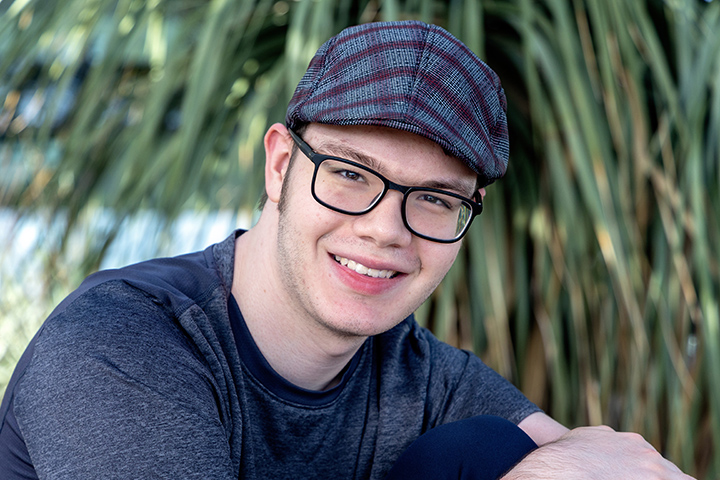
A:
{"points": [[301, 213], [438, 258], [287, 189]]}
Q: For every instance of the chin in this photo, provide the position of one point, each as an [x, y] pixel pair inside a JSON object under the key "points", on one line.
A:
{"points": [[363, 327]]}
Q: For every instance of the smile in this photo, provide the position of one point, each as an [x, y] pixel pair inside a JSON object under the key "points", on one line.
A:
{"points": [[363, 270]]}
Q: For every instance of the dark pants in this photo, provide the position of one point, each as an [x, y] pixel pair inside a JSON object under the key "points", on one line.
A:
{"points": [[477, 448]]}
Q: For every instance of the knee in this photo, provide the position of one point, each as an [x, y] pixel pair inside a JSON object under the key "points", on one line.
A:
{"points": [[482, 447]]}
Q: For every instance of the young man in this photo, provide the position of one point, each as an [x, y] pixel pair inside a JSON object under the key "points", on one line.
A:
{"points": [[289, 350]]}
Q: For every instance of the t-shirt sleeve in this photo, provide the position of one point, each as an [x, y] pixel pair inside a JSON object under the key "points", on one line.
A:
{"points": [[116, 390], [461, 386]]}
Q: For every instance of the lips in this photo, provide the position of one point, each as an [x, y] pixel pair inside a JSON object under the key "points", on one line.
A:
{"points": [[363, 270]]}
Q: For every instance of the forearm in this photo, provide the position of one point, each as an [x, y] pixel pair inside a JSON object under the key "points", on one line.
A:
{"points": [[549, 461], [598, 453], [542, 428]]}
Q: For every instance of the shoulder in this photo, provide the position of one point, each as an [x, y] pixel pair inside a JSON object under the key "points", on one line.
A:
{"points": [[456, 382], [106, 311], [149, 307], [131, 321], [171, 281], [111, 324], [112, 340], [115, 366], [131, 347], [142, 298]]}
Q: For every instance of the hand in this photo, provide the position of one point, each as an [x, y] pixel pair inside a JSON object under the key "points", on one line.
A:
{"points": [[598, 453]]}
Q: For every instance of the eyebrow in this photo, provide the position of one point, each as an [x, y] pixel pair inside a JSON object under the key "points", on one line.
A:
{"points": [[344, 152], [451, 185]]}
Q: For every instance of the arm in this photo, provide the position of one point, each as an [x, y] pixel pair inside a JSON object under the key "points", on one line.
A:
{"points": [[589, 452], [114, 390], [542, 429]]}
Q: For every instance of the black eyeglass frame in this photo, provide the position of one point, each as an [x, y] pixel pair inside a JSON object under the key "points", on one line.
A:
{"points": [[476, 207]]}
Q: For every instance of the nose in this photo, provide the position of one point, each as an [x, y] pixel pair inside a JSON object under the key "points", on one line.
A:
{"points": [[384, 225]]}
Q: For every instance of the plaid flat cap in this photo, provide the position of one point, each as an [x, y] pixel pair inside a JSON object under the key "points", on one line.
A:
{"points": [[414, 77]]}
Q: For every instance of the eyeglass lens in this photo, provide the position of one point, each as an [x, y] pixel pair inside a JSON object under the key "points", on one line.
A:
{"points": [[355, 190]]}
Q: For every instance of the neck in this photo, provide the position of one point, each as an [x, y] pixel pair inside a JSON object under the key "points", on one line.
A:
{"points": [[296, 347]]}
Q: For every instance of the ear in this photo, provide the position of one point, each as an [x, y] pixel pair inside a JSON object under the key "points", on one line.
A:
{"points": [[278, 149]]}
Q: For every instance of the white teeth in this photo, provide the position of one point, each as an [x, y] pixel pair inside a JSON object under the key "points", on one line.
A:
{"points": [[363, 270]]}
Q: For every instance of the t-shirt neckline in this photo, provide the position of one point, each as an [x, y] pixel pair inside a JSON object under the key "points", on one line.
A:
{"points": [[253, 359]]}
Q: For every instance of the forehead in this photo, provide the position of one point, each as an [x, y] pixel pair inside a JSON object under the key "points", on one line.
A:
{"points": [[400, 156]]}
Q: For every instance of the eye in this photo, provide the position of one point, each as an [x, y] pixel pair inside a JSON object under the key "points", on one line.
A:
{"points": [[350, 175], [346, 174], [435, 201]]}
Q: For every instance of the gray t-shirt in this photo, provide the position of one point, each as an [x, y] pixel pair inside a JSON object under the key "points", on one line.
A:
{"points": [[149, 371]]}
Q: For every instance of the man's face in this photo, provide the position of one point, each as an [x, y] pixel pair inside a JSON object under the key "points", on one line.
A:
{"points": [[361, 275]]}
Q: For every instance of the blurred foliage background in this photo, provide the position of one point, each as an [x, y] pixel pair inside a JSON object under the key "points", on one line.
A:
{"points": [[128, 128]]}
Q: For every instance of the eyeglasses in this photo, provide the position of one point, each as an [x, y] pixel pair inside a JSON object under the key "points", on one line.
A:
{"points": [[354, 189]]}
